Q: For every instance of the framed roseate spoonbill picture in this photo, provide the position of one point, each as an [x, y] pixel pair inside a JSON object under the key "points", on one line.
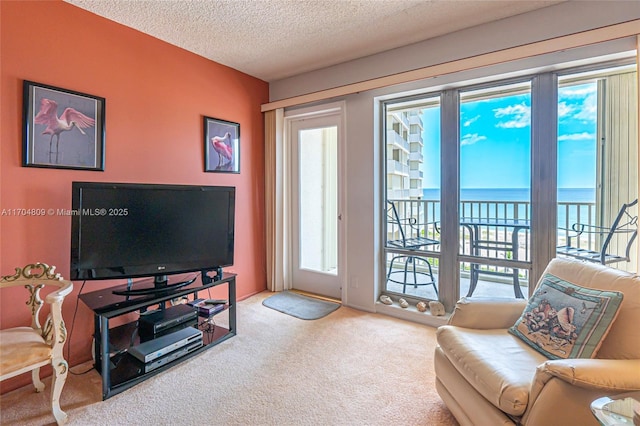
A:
{"points": [[63, 129], [221, 146]]}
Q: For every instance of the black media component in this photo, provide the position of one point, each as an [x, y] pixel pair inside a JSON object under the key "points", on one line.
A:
{"points": [[126, 230], [153, 324], [206, 279], [172, 356]]}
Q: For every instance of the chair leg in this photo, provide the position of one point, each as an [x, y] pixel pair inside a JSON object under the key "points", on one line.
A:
{"points": [[433, 281], [473, 279], [390, 268], [412, 260], [60, 368], [406, 265], [35, 377]]}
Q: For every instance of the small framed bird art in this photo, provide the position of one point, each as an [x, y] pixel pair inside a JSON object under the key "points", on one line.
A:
{"points": [[221, 146], [63, 129]]}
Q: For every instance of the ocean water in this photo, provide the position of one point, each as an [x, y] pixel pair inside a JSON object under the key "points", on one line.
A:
{"points": [[575, 195], [476, 198]]}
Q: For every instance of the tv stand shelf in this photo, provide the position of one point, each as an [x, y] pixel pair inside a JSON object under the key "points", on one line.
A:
{"points": [[119, 369]]}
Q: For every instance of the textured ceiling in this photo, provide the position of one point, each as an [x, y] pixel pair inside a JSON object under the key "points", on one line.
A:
{"points": [[274, 39]]}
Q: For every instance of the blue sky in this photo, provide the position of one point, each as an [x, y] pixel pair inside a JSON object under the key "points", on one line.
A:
{"points": [[495, 137]]}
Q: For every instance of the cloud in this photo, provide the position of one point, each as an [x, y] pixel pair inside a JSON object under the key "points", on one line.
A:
{"points": [[470, 121], [471, 138], [517, 116], [588, 111], [565, 110], [580, 101], [578, 91], [584, 136]]}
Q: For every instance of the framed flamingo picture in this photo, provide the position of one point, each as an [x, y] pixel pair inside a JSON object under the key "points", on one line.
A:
{"points": [[221, 146], [63, 129]]}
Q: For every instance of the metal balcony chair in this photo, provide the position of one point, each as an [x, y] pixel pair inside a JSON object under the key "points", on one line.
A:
{"points": [[625, 223], [409, 237]]}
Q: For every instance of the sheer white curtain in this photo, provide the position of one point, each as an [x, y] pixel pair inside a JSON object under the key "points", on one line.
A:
{"points": [[275, 200]]}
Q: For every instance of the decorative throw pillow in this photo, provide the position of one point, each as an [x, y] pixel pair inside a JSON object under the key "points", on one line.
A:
{"points": [[563, 320]]}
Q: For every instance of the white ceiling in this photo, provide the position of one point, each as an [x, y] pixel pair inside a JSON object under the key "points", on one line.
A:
{"points": [[274, 39]]}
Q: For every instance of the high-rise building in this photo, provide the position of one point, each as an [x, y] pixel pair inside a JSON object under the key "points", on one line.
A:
{"points": [[404, 154]]}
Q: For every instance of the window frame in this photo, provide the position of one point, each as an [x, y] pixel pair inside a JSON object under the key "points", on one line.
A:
{"points": [[544, 167]]}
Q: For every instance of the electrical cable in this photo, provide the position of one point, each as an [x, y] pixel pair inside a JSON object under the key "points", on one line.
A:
{"points": [[73, 322]]}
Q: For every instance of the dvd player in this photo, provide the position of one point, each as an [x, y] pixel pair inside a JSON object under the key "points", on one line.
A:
{"points": [[152, 324], [154, 349], [145, 336], [172, 356]]}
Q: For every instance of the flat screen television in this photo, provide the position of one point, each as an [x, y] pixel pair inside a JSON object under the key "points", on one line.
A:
{"points": [[126, 230]]}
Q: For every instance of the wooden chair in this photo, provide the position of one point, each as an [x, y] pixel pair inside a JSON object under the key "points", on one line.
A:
{"points": [[624, 223], [24, 349]]}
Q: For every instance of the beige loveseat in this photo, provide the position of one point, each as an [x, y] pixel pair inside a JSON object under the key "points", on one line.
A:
{"points": [[488, 376]]}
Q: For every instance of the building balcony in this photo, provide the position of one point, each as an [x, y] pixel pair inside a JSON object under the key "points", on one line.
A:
{"points": [[396, 167], [416, 174], [398, 194], [415, 193], [416, 156], [397, 141], [401, 117], [416, 119], [416, 138]]}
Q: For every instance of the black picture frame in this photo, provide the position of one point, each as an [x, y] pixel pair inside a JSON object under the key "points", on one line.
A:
{"points": [[221, 146], [63, 129]]}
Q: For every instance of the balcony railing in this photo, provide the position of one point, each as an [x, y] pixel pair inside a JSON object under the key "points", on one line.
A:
{"points": [[426, 213], [416, 156], [416, 174], [393, 138], [394, 166], [416, 138], [416, 119]]}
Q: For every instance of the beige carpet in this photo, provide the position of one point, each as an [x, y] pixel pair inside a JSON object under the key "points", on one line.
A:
{"points": [[348, 368]]}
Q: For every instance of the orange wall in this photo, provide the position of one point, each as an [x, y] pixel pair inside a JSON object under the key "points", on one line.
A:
{"points": [[156, 97]]}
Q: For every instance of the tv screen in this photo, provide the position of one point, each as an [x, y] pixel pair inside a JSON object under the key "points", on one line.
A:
{"points": [[124, 230]]}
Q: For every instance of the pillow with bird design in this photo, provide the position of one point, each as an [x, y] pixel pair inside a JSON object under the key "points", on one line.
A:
{"points": [[564, 320]]}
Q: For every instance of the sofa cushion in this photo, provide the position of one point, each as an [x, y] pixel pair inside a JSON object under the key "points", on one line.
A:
{"points": [[617, 344], [497, 364], [563, 320]]}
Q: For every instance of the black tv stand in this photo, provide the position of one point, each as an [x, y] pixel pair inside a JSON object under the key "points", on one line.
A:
{"points": [[160, 286], [121, 370]]}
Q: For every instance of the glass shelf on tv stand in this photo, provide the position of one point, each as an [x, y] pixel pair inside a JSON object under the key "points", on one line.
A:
{"points": [[119, 369]]}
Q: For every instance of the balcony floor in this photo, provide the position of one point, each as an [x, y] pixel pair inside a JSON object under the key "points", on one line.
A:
{"points": [[485, 287]]}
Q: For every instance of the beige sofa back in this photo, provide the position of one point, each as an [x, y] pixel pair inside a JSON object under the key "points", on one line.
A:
{"points": [[620, 343]]}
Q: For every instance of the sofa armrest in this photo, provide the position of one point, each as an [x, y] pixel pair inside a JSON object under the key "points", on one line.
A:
{"points": [[486, 313], [609, 375], [563, 390]]}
